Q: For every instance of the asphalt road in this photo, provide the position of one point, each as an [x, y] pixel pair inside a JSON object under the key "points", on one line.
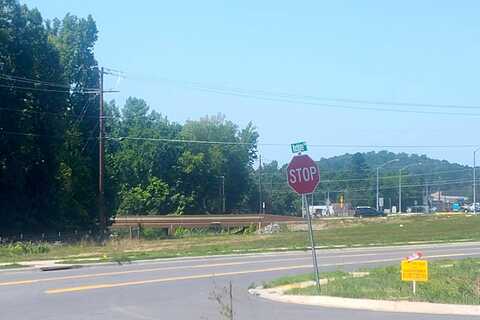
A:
{"points": [[182, 288]]}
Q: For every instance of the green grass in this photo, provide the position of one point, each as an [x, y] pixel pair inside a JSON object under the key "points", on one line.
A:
{"points": [[451, 281], [302, 278], [342, 232], [12, 266]]}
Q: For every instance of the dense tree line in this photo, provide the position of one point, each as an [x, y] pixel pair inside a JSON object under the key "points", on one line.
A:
{"points": [[45, 123], [49, 100], [49, 128], [164, 174]]}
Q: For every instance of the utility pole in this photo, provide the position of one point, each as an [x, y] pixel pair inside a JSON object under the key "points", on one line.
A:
{"points": [[223, 194], [427, 198], [400, 184], [101, 158], [378, 188], [474, 182], [400, 191], [271, 193], [102, 217], [378, 202], [260, 185]]}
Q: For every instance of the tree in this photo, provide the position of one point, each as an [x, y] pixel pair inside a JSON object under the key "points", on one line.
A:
{"points": [[233, 161], [149, 199], [32, 127]]}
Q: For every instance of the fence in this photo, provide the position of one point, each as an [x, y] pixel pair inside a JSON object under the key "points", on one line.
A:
{"points": [[57, 236]]}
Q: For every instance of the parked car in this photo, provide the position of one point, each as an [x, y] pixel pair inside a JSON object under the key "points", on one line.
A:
{"points": [[456, 207], [368, 212], [469, 208]]}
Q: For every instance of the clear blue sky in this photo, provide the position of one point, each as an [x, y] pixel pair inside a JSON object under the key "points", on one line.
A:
{"points": [[418, 51]]}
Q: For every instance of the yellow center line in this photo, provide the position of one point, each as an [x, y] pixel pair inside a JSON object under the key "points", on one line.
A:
{"points": [[222, 274], [116, 273], [200, 276]]}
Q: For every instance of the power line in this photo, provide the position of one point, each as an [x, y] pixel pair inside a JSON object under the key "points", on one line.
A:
{"points": [[90, 137], [330, 170], [287, 145], [27, 134], [47, 90], [58, 114], [430, 184], [183, 141], [81, 91], [287, 97], [82, 114], [406, 146], [40, 82], [33, 81], [372, 177], [335, 106], [438, 183]]}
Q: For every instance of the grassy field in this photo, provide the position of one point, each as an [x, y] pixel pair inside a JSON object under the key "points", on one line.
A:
{"points": [[346, 232], [451, 281], [11, 266]]}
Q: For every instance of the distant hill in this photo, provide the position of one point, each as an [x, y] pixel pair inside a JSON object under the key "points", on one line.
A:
{"points": [[353, 176], [451, 178]]}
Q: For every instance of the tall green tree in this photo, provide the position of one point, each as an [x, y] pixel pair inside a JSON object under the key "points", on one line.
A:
{"points": [[75, 39], [32, 121]]}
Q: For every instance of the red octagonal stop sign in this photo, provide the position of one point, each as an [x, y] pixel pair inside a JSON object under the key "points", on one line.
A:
{"points": [[303, 175]]}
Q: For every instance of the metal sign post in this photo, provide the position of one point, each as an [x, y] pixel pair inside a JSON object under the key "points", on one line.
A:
{"points": [[312, 240]]}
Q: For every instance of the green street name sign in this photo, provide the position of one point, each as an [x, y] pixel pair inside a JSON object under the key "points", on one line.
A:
{"points": [[299, 147]]}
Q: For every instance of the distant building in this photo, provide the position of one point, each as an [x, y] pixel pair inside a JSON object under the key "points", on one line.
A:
{"points": [[444, 202]]}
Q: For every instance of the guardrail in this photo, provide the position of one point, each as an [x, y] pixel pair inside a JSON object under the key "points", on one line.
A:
{"points": [[172, 222]]}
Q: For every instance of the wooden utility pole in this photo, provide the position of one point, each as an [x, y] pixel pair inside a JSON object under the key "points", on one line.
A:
{"points": [[101, 159]]}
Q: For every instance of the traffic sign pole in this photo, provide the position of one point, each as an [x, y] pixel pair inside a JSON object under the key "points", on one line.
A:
{"points": [[312, 240], [303, 176]]}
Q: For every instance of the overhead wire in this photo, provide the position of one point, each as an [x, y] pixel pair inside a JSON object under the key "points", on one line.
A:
{"points": [[302, 96], [82, 114], [90, 137], [47, 90], [306, 99], [380, 177], [33, 81], [335, 106], [286, 144], [26, 80], [430, 184], [28, 134]]}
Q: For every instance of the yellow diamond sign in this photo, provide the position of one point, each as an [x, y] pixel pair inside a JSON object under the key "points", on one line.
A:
{"points": [[416, 270]]}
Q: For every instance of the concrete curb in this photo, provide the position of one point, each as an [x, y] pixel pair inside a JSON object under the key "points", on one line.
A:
{"points": [[277, 294], [60, 267]]}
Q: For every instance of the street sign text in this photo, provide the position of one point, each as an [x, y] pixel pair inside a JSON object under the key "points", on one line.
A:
{"points": [[303, 175], [299, 147]]}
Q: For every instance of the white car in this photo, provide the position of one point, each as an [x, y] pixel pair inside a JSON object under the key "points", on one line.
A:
{"points": [[469, 208]]}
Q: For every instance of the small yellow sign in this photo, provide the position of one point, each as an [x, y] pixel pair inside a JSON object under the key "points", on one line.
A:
{"points": [[416, 270]]}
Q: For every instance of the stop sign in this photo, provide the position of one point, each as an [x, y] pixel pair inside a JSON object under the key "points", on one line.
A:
{"points": [[303, 175]]}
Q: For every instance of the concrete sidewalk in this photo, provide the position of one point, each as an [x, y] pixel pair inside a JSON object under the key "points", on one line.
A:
{"points": [[278, 294]]}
